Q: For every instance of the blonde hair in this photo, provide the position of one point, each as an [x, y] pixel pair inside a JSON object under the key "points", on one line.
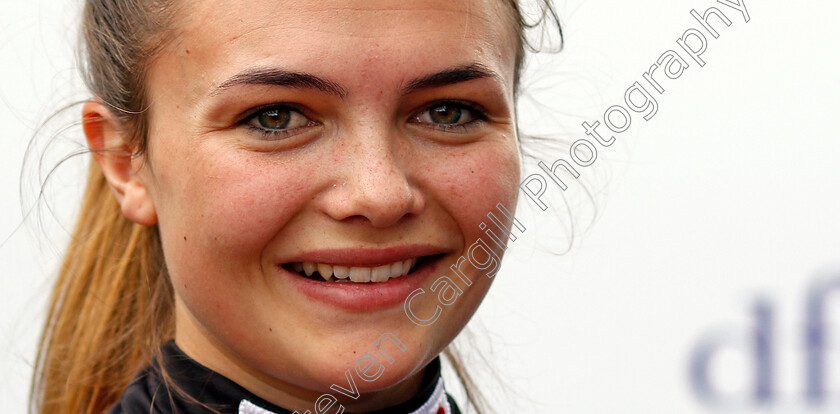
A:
{"points": [[112, 305]]}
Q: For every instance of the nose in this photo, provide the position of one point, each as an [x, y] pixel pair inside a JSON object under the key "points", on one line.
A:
{"points": [[373, 184]]}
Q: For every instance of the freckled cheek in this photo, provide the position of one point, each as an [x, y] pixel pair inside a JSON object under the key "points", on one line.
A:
{"points": [[472, 185], [230, 214]]}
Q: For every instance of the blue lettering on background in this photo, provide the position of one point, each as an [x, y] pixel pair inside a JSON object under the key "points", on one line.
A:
{"points": [[758, 341]]}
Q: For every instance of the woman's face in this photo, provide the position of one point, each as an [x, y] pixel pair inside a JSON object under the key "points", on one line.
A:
{"points": [[354, 134]]}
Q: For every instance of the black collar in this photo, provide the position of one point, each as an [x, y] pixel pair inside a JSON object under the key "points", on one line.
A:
{"points": [[206, 388]]}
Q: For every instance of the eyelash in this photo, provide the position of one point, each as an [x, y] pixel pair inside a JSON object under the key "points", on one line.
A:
{"points": [[477, 113]]}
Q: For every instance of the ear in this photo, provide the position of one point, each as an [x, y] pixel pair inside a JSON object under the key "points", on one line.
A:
{"points": [[112, 151]]}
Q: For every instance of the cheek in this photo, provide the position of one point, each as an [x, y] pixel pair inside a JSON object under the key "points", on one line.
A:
{"points": [[220, 210], [471, 182]]}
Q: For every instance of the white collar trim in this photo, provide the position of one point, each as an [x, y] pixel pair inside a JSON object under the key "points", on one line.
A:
{"points": [[437, 404]]}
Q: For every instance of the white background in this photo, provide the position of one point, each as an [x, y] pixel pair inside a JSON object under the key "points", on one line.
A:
{"points": [[728, 194]]}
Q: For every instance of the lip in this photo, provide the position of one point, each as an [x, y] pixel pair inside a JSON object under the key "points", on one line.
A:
{"points": [[360, 297], [366, 257]]}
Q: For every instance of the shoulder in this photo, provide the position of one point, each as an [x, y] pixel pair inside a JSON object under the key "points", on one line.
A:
{"points": [[144, 395]]}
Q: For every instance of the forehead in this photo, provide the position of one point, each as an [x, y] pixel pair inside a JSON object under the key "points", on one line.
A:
{"points": [[349, 41]]}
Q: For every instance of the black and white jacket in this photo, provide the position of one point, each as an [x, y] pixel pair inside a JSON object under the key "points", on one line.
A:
{"points": [[148, 395]]}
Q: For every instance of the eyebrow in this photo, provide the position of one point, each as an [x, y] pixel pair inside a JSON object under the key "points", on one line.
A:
{"points": [[450, 77], [280, 77]]}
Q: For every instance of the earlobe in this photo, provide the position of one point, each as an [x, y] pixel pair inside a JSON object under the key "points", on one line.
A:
{"points": [[112, 151], [137, 204]]}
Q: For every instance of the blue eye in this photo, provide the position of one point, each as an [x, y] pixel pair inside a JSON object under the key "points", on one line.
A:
{"points": [[450, 116], [278, 121]]}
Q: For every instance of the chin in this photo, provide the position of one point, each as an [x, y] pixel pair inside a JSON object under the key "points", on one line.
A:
{"points": [[367, 371]]}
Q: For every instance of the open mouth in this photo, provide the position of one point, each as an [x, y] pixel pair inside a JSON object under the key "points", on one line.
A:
{"points": [[358, 274]]}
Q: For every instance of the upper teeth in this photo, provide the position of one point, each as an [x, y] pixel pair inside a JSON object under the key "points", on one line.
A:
{"points": [[358, 274]]}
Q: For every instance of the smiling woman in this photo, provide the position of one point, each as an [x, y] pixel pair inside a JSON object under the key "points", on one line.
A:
{"points": [[272, 179]]}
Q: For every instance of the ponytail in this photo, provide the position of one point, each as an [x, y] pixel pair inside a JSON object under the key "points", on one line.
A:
{"points": [[109, 312]]}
